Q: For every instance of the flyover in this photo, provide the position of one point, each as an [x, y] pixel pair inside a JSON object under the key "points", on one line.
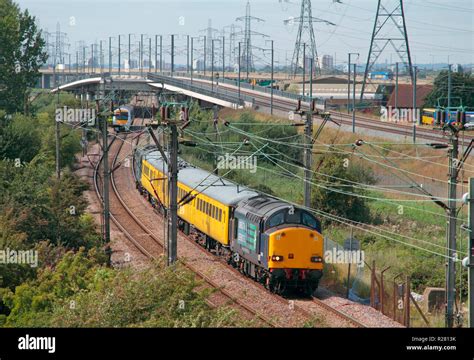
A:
{"points": [[200, 91]]}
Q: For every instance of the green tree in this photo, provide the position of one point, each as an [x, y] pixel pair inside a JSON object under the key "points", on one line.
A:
{"points": [[21, 55], [462, 88], [334, 191], [19, 139]]}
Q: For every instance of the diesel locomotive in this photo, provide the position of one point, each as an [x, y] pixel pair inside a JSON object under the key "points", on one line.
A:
{"points": [[269, 240]]}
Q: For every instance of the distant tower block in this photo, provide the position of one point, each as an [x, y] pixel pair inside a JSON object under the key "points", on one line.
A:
{"points": [[389, 28], [305, 36]]}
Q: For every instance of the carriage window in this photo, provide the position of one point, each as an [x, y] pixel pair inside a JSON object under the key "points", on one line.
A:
{"points": [[220, 215]]}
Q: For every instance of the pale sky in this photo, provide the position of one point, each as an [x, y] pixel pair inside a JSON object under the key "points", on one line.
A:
{"points": [[436, 28]]}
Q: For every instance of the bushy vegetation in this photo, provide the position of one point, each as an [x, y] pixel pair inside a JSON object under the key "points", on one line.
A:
{"points": [[72, 284], [462, 85], [334, 182], [80, 291]]}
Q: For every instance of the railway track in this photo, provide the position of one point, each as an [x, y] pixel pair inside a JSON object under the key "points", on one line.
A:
{"points": [[130, 225], [287, 105], [150, 245], [300, 307]]}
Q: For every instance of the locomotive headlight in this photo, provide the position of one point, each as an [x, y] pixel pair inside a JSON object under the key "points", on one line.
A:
{"points": [[277, 258], [316, 259]]}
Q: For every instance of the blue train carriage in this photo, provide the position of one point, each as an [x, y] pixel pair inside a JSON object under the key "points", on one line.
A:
{"points": [[469, 120], [442, 117], [122, 118], [460, 117], [278, 244]]}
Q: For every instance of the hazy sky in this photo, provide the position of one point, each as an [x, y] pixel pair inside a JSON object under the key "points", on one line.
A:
{"points": [[437, 28]]}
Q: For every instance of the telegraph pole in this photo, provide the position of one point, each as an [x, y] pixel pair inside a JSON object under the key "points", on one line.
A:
{"points": [[223, 57], [58, 148], [110, 54], [449, 85], [172, 55], [141, 54], [240, 45], [161, 54], [353, 100], [205, 40], [192, 60], [212, 65], [187, 54], [271, 95], [396, 85], [156, 53], [149, 54], [349, 79], [452, 209], [119, 59], [101, 57], [471, 253], [304, 69], [308, 149], [92, 59], [83, 60], [415, 69], [129, 54], [106, 174], [173, 195]]}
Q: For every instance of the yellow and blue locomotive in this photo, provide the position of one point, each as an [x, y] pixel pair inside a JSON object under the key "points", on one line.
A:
{"points": [[267, 239], [122, 118]]}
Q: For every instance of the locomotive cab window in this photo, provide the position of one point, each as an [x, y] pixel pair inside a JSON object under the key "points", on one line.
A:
{"points": [[293, 216], [311, 221], [275, 220]]}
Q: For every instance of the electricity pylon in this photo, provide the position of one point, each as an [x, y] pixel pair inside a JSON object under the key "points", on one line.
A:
{"points": [[305, 36], [382, 36]]}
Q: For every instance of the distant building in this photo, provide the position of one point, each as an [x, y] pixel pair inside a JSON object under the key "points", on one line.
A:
{"points": [[457, 68], [405, 95], [198, 65], [327, 62]]}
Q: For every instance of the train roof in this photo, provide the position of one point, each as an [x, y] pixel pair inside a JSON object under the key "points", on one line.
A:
{"points": [[263, 206], [217, 188], [124, 107]]}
